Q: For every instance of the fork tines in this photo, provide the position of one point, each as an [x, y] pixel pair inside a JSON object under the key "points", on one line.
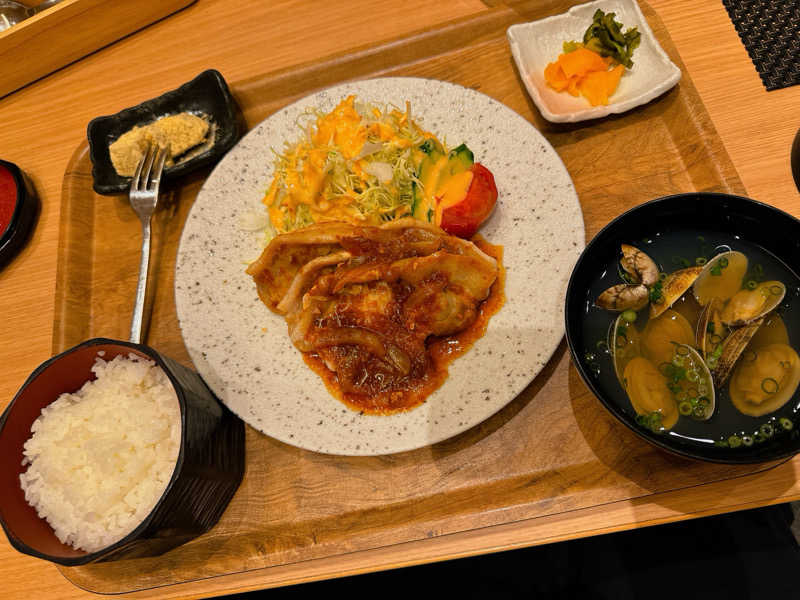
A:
{"points": [[154, 155]]}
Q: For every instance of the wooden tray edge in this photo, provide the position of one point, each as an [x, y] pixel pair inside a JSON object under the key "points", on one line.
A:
{"points": [[498, 16], [72, 266]]}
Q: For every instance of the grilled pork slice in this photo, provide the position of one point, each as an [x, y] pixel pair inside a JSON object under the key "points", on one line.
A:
{"points": [[366, 299]]}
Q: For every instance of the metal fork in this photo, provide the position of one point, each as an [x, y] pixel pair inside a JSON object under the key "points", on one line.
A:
{"points": [[143, 197]]}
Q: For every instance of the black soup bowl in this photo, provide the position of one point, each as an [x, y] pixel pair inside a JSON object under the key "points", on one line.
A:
{"points": [[675, 231]]}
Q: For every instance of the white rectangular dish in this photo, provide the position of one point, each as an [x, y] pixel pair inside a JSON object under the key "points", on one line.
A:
{"points": [[538, 43]]}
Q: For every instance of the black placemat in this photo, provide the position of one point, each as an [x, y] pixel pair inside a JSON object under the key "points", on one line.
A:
{"points": [[770, 31]]}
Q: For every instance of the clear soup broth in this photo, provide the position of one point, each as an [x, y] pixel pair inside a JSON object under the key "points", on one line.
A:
{"points": [[727, 427]]}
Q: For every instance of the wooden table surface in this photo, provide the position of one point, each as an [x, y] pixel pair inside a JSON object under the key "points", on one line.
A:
{"points": [[43, 123]]}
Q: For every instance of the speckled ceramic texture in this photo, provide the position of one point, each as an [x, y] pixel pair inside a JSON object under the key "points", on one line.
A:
{"points": [[242, 349], [536, 44]]}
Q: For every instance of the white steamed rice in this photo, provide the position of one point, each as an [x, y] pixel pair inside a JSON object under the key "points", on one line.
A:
{"points": [[100, 459]]}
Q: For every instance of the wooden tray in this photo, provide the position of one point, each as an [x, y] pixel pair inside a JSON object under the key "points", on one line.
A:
{"points": [[553, 449], [69, 31]]}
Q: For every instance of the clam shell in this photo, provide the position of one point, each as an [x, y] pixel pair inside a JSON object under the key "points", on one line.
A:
{"points": [[623, 347], [648, 391], [705, 378], [624, 297], [732, 349], [673, 287], [638, 265], [723, 285], [746, 373], [710, 315], [748, 305]]}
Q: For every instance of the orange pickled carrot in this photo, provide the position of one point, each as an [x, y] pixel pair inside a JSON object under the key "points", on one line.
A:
{"points": [[584, 72]]}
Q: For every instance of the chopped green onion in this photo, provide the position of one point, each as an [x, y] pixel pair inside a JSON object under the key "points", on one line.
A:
{"points": [[629, 315], [685, 408], [766, 430], [785, 423], [656, 295], [722, 262], [747, 440], [734, 441], [682, 350], [751, 285], [681, 262], [654, 422], [700, 261], [769, 385], [666, 369]]}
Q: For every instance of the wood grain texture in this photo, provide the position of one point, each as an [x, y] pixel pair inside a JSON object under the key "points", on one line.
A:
{"points": [[296, 505], [757, 127], [70, 30], [45, 121]]}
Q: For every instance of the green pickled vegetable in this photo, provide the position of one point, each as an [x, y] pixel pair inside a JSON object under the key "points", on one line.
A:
{"points": [[605, 36]]}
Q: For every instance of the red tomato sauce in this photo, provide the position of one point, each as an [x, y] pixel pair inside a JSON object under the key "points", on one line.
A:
{"points": [[8, 198], [442, 351]]}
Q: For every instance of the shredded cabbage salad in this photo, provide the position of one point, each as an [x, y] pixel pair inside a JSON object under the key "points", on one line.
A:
{"points": [[356, 163]]}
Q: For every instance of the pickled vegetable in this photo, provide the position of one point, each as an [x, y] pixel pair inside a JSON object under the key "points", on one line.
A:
{"points": [[605, 37]]}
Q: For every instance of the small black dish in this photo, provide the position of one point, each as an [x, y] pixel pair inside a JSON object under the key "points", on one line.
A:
{"points": [[208, 471], [675, 225], [17, 223], [206, 94]]}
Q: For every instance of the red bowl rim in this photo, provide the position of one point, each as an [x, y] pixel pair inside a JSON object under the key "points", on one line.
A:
{"points": [[88, 557]]}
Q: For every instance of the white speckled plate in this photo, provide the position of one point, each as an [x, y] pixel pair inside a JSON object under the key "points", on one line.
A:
{"points": [[242, 349], [536, 44]]}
